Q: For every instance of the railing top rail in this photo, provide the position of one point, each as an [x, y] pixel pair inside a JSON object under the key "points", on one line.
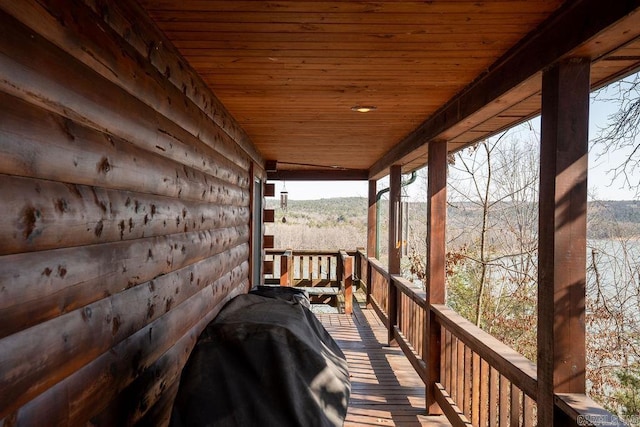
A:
{"points": [[417, 295], [276, 251], [377, 265], [582, 410], [306, 252], [514, 366]]}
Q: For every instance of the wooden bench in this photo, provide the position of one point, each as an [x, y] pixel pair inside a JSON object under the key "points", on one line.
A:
{"points": [[326, 292], [329, 291], [320, 291]]}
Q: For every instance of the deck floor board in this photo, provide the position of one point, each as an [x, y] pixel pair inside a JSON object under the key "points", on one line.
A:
{"points": [[385, 390]]}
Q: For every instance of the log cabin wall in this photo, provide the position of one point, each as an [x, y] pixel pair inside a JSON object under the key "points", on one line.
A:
{"points": [[125, 225]]}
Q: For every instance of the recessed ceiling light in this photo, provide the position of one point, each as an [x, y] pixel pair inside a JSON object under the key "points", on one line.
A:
{"points": [[363, 108]]}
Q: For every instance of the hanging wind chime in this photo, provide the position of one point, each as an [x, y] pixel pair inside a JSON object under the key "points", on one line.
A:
{"points": [[284, 199]]}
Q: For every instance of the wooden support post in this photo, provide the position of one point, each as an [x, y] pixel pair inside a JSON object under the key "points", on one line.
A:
{"points": [[562, 234], [286, 261], [339, 267], [347, 281], [436, 258], [395, 182], [372, 232]]}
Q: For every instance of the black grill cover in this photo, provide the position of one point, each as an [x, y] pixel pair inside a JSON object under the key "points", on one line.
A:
{"points": [[265, 360]]}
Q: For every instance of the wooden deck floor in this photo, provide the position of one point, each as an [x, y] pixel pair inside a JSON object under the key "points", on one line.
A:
{"points": [[385, 390]]}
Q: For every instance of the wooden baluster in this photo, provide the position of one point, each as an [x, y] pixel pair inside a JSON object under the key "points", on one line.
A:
{"points": [[484, 392], [420, 331], [514, 417], [447, 360], [475, 390], [443, 353], [399, 311], [528, 412], [460, 374], [494, 377], [468, 384], [505, 391], [410, 319], [327, 267], [328, 263], [453, 390]]}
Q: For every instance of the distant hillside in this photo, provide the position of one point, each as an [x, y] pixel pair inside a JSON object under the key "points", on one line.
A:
{"points": [[337, 223], [324, 212], [614, 218], [342, 222], [620, 210]]}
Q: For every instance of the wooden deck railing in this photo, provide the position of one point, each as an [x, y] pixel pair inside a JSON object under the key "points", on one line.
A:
{"points": [[313, 268], [409, 326], [490, 383], [483, 382], [305, 267], [379, 289]]}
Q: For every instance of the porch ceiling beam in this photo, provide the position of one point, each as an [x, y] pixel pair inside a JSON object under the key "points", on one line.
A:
{"points": [[319, 175], [571, 26]]}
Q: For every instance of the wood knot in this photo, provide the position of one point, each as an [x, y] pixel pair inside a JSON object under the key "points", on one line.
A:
{"points": [[62, 205], [104, 166], [115, 325], [98, 229], [86, 313], [29, 222], [62, 271]]}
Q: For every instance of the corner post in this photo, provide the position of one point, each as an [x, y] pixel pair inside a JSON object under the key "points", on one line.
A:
{"points": [[435, 264], [286, 268], [562, 234], [347, 281]]}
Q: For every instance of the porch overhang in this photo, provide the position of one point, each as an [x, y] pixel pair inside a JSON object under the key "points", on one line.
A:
{"points": [[292, 72]]}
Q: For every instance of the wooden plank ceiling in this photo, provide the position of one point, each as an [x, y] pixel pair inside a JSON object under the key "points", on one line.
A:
{"points": [[291, 71]]}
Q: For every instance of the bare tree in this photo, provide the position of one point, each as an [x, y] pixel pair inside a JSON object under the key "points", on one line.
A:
{"points": [[492, 238], [613, 319], [622, 130], [492, 253]]}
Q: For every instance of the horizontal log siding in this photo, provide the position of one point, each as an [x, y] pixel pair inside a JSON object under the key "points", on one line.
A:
{"points": [[125, 189]]}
